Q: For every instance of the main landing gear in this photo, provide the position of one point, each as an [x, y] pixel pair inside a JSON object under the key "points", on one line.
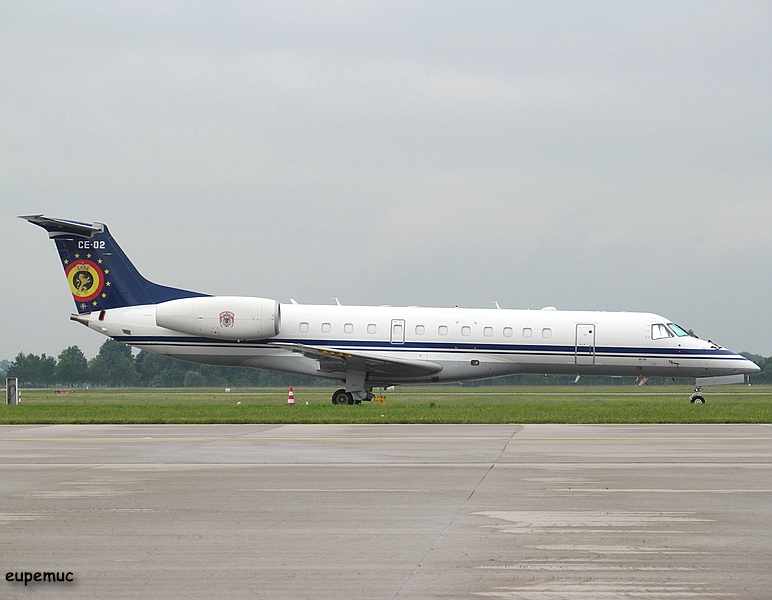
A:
{"points": [[343, 397], [697, 397]]}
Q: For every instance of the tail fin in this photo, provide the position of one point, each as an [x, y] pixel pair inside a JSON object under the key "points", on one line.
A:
{"points": [[100, 275]]}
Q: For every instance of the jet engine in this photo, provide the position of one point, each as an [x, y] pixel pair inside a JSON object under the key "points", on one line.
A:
{"points": [[223, 317]]}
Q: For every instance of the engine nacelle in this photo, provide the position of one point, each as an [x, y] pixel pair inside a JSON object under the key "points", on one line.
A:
{"points": [[223, 317]]}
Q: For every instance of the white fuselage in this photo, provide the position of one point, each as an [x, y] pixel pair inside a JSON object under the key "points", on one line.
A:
{"points": [[465, 343]]}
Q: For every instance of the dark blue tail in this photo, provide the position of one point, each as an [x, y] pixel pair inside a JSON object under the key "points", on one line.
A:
{"points": [[98, 272]]}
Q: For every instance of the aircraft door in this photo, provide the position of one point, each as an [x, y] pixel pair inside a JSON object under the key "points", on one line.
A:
{"points": [[397, 331], [585, 344]]}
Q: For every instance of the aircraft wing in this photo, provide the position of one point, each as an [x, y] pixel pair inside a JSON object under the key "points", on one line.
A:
{"points": [[331, 360]]}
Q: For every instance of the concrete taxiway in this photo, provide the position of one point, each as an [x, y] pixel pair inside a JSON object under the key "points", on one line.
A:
{"points": [[392, 511]]}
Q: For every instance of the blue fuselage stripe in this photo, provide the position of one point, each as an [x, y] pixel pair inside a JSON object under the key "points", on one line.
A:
{"points": [[441, 347]]}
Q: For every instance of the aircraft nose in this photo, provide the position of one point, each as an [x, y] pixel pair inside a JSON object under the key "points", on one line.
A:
{"points": [[750, 367]]}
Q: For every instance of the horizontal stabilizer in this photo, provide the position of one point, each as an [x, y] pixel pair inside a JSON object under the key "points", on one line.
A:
{"points": [[56, 227]]}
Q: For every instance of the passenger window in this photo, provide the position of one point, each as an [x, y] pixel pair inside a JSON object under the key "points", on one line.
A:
{"points": [[442, 330], [348, 328], [659, 331], [507, 332], [304, 327], [488, 332], [420, 329], [326, 328], [527, 332], [466, 330], [371, 328], [546, 332]]}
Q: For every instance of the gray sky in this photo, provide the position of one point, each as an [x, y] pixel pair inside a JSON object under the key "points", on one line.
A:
{"points": [[611, 156]]}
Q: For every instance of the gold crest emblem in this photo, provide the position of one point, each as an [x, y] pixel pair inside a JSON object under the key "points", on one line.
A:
{"points": [[85, 279]]}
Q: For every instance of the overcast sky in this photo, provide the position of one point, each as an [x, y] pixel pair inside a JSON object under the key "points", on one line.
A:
{"points": [[586, 155]]}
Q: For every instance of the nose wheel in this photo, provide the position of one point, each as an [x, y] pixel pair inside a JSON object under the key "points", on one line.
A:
{"points": [[697, 397]]}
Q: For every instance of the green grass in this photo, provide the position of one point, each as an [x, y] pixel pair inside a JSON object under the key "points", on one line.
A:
{"points": [[662, 404]]}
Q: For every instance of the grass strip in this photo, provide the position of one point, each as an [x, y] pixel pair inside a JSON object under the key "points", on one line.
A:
{"points": [[487, 404], [570, 411]]}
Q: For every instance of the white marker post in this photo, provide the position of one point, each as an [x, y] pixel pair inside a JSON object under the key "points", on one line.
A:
{"points": [[11, 391]]}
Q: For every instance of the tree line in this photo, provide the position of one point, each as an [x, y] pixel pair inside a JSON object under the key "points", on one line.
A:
{"points": [[116, 366]]}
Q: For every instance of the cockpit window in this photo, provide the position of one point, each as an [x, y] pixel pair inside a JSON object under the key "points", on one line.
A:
{"points": [[680, 331], [659, 331]]}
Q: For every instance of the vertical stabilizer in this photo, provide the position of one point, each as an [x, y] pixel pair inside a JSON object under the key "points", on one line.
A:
{"points": [[99, 274]]}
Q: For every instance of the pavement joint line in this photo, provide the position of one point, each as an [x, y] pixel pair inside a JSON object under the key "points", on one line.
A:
{"points": [[458, 512], [383, 465], [377, 439]]}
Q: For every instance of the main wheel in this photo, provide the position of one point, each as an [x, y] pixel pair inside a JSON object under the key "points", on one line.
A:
{"points": [[698, 400], [340, 397]]}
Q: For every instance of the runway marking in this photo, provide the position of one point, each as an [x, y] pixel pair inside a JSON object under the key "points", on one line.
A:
{"points": [[612, 549], [523, 437], [75, 494], [258, 439], [6, 517], [347, 490], [660, 491], [595, 589], [328, 464], [539, 521], [582, 567], [241, 465]]}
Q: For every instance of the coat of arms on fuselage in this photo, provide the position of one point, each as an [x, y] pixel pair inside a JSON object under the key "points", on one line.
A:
{"points": [[226, 319]]}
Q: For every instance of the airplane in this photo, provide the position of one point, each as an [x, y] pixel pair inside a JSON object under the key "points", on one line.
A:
{"points": [[368, 347]]}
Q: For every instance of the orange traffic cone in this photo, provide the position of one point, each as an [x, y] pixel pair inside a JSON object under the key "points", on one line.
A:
{"points": [[291, 398]]}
